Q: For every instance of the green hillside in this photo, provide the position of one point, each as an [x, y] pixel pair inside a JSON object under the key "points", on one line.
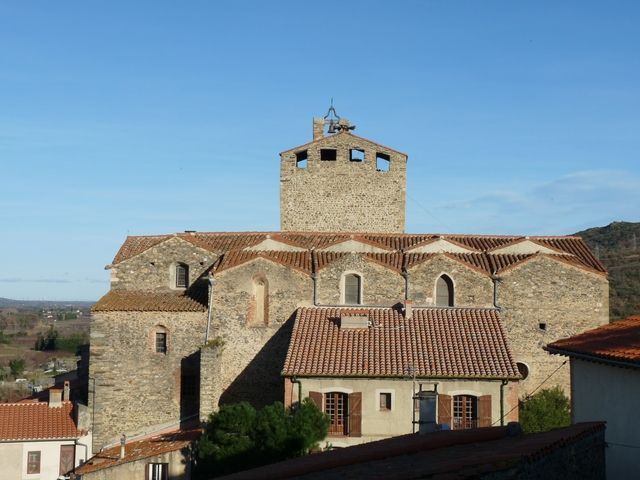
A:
{"points": [[618, 247]]}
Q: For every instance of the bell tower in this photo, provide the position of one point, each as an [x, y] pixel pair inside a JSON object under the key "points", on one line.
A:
{"points": [[340, 182]]}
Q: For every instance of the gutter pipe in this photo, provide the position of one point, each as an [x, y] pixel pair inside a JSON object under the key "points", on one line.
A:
{"points": [[210, 310]]}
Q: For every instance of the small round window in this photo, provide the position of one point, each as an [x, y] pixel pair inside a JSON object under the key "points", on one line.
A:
{"points": [[523, 369]]}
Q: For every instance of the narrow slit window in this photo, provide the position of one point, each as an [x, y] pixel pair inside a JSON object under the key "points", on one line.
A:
{"points": [[383, 162], [444, 292], [302, 159], [356, 155], [328, 154]]}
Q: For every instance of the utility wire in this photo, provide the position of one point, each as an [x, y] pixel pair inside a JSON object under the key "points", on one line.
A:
{"points": [[532, 392]]}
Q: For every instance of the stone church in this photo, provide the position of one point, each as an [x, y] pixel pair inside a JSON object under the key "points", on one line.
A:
{"points": [[196, 319]]}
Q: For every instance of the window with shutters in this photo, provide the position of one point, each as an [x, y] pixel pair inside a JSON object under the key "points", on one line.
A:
{"points": [[352, 289], [465, 412], [336, 408], [444, 291], [182, 275], [33, 462], [157, 471]]}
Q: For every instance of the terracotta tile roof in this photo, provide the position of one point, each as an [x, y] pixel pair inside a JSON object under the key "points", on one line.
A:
{"points": [[449, 454], [37, 421], [437, 342], [323, 259], [477, 261], [222, 242], [139, 449], [299, 260], [392, 261], [143, 301], [618, 341]]}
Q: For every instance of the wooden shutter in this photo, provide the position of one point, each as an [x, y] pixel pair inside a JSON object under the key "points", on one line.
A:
{"points": [[316, 398], [444, 409], [67, 458], [484, 411], [355, 414]]}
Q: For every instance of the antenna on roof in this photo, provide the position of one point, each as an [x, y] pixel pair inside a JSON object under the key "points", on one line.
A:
{"points": [[334, 122]]}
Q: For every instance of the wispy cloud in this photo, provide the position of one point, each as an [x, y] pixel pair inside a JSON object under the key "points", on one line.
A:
{"points": [[34, 280]]}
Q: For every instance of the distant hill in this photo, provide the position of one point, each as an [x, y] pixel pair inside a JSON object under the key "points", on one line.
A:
{"points": [[618, 247], [9, 303]]}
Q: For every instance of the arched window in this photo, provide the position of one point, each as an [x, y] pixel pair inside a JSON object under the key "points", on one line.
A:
{"points": [[261, 304], [182, 275], [352, 289], [444, 292], [465, 412]]}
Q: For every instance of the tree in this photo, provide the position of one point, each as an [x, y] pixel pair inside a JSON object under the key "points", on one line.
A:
{"points": [[48, 341], [547, 409], [17, 367], [238, 437]]}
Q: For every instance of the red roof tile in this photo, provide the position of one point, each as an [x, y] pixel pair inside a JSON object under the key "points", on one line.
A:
{"points": [[143, 301], [222, 242], [618, 341], [299, 260], [37, 421], [437, 342], [139, 449]]}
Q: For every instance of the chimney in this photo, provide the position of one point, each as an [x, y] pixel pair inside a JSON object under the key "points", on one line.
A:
{"points": [[123, 441], [408, 309], [55, 398], [66, 392], [318, 128]]}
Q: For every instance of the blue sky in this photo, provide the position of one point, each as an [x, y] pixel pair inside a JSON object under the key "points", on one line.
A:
{"points": [[127, 118]]}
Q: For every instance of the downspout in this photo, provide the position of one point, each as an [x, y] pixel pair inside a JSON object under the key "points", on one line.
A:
{"points": [[405, 274], [313, 277], [210, 310], [496, 280], [295, 380], [502, 385], [86, 452]]}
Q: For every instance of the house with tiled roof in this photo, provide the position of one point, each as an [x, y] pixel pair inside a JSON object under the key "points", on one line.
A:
{"points": [[373, 367], [43, 440], [605, 385], [196, 319]]}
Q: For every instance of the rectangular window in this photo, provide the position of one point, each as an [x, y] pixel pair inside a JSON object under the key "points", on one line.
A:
{"points": [[182, 276], [356, 155], [157, 471], [301, 159], [161, 342], [385, 401], [328, 154], [33, 462], [383, 162]]}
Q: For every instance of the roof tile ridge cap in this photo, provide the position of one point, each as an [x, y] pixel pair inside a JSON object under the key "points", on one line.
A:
{"points": [[360, 237]]}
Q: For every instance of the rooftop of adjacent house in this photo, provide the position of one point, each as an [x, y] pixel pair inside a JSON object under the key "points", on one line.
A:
{"points": [[446, 454], [139, 449], [494, 245], [618, 341], [433, 342], [37, 421]]}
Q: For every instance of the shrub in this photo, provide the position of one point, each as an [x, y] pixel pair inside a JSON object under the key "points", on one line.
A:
{"points": [[17, 367], [547, 409]]}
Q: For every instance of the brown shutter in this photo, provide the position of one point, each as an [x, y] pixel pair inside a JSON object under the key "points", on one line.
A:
{"points": [[484, 411], [444, 409], [355, 414], [316, 398]]}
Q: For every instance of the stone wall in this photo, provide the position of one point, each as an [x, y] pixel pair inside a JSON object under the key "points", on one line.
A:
{"points": [[342, 195], [153, 269], [179, 467], [564, 299], [380, 285], [471, 288], [253, 354], [137, 389]]}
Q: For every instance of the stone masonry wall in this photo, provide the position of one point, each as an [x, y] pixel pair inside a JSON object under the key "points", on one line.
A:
{"points": [[380, 285], [565, 299], [253, 356], [471, 288], [137, 389], [153, 269], [342, 195]]}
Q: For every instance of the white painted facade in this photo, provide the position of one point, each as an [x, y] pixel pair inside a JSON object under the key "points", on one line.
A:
{"points": [[610, 393], [14, 457]]}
